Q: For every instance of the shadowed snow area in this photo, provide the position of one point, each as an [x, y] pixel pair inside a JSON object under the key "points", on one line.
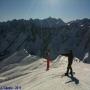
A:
{"points": [[30, 73]]}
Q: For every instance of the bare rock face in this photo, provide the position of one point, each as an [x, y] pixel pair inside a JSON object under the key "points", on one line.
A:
{"points": [[36, 36]]}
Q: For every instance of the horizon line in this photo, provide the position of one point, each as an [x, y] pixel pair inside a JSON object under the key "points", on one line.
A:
{"points": [[1, 21]]}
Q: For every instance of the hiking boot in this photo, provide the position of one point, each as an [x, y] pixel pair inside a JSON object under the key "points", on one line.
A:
{"points": [[71, 74], [66, 74]]}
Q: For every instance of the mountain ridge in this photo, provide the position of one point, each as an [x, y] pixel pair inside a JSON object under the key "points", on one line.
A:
{"points": [[36, 37]]}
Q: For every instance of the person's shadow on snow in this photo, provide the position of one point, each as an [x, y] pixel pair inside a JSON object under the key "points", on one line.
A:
{"points": [[73, 79]]}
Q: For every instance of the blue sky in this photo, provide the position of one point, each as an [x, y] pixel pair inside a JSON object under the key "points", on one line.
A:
{"points": [[25, 9]]}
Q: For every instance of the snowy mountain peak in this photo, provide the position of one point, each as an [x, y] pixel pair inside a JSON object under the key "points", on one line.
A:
{"points": [[49, 22]]}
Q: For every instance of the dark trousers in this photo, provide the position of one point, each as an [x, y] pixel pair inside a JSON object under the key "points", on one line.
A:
{"points": [[69, 69]]}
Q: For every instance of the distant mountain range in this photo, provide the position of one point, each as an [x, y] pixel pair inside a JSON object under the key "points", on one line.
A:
{"points": [[36, 36]]}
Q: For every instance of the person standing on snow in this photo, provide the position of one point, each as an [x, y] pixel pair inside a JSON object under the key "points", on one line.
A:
{"points": [[70, 61], [48, 59]]}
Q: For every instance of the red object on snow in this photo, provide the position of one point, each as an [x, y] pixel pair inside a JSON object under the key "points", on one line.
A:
{"points": [[48, 64], [48, 61]]}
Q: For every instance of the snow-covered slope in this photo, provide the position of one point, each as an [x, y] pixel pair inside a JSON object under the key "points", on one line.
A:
{"points": [[30, 74]]}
